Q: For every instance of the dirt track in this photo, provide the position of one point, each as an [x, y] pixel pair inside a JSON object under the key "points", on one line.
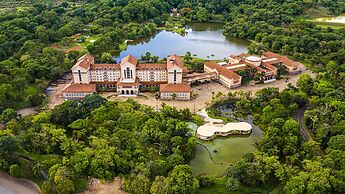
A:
{"points": [[10, 185], [97, 187]]}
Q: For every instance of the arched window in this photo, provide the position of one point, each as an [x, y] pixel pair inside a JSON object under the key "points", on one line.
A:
{"points": [[128, 71], [175, 75]]}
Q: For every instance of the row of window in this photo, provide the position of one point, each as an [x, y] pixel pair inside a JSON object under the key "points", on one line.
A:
{"points": [[76, 94], [177, 94]]}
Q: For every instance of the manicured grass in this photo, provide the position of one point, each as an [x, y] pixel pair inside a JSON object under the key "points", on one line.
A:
{"points": [[225, 119], [80, 184], [92, 39], [336, 27], [219, 187], [40, 158], [214, 189], [26, 171], [27, 165]]}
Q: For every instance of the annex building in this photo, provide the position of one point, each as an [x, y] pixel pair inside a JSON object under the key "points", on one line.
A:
{"points": [[128, 78], [266, 66]]}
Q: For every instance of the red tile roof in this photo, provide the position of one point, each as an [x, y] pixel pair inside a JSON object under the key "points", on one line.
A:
{"points": [[283, 59], [85, 61], [175, 88], [176, 60], [80, 88], [271, 55], [143, 66], [269, 66], [222, 70], [130, 59], [108, 66], [75, 35]]}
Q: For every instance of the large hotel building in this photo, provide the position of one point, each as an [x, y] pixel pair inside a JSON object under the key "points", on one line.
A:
{"points": [[129, 77]]}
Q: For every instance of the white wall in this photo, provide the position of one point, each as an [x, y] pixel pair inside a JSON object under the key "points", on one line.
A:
{"points": [[85, 75], [178, 75]]}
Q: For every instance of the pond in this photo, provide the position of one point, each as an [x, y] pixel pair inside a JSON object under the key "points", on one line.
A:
{"points": [[205, 40], [214, 157]]}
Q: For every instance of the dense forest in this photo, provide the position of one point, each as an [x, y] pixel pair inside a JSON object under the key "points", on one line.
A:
{"points": [[102, 139], [59, 148]]}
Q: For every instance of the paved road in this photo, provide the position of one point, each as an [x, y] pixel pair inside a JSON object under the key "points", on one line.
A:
{"points": [[10, 185], [299, 117]]}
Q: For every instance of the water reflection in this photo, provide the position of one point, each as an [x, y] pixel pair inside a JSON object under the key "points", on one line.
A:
{"points": [[214, 157], [205, 40]]}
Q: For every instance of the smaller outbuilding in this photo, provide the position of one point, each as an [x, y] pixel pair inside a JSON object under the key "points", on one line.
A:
{"points": [[78, 91], [181, 91]]}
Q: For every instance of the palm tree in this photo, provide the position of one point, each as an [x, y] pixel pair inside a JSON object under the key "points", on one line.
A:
{"points": [[173, 96], [260, 75], [195, 95], [147, 57], [252, 71], [155, 59], [314, 119]]}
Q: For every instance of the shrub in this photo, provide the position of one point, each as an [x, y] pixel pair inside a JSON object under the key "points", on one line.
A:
{"points": [[14, 170], [3, 165]]}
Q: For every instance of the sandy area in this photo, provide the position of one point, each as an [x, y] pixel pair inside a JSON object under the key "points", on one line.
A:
{"points": [[97, 187], [11, 185], [55, 91], [27, 111]]}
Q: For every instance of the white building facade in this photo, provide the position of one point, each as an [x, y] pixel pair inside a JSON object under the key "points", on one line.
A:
{"points": [[128, 77]]}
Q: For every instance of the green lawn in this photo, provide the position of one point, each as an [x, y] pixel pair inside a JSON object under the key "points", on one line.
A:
{"points": [[219, 187], [80, 184], [336, 27]]}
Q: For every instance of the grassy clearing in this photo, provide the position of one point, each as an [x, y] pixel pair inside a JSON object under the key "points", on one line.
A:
{"points": [[317, 12], [80, 184], [26, 171], [219, 187], [329, 25]]}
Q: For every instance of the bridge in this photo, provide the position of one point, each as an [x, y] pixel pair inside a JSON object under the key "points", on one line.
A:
{"points": [[201, 77]]}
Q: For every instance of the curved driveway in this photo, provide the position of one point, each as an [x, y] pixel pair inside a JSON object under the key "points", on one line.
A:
{"points": [[299, 117], [10, 185]]}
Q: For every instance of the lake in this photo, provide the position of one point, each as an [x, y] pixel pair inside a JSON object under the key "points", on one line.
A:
{"points": [[205, 40]]}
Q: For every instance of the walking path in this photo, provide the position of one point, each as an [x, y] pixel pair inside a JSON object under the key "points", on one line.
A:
{"points": [[207, 118]]}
